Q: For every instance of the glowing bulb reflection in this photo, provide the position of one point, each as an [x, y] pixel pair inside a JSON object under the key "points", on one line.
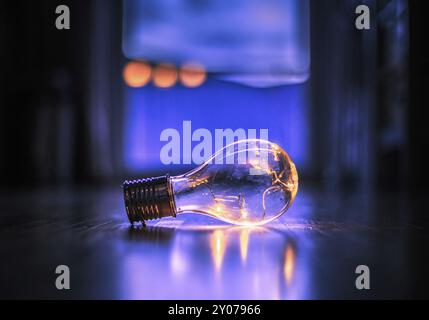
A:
{"points": [[244, 244], [218, 246], [289, 264]]}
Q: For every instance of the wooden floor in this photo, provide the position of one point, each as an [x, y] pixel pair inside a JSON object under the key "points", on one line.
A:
{"points": [[310, 253]]}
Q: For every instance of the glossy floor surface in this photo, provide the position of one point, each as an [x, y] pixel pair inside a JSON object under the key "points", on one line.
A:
{"points": [[310, 253]]}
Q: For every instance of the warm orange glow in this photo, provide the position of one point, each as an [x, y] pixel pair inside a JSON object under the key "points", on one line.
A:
{"points": [[178, 262], [218, 246], [192, 75], [136, 73], [289, 265], [244, 244], [164, 75]]}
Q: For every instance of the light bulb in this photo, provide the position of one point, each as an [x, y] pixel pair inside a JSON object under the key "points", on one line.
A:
{"points": [[249, 182]]}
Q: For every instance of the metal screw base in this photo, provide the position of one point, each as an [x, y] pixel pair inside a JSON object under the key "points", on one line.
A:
{"points": [[148, 199]]}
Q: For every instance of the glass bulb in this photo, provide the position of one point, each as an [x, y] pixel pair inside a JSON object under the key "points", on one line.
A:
{"points": [[249, 182]]}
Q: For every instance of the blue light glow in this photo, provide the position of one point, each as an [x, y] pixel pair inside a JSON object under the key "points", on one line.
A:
{"points": [[215, 105]]}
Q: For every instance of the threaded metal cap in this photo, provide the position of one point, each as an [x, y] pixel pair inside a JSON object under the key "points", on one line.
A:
{"points": [[148, 199]]}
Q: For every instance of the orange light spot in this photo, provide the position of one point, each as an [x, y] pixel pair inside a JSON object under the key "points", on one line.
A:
{"points": [[192, 75], [137, 73], [244, 244], [164, 75], [289, 263], [218, 246]]}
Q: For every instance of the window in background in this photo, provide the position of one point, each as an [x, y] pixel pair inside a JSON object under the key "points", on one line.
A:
{"points": [[255, 53]]}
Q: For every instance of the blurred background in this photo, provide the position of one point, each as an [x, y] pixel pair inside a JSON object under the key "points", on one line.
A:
{"points": [[83, 109], [87, 105]]}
